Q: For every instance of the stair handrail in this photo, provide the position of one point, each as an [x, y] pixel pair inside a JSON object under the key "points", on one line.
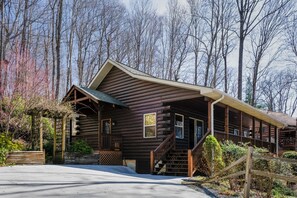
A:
{"points": [[158, 154], [196, 147], [193, 163]]}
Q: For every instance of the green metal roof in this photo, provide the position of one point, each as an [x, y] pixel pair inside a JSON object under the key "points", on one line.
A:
{"points": [[98, 95]]}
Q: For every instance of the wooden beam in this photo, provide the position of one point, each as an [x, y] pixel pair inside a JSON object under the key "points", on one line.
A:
{"points": [[276, 140], [261, 132], [32, 131], [269, 137], [269, 133], [296, 135], [99, 126], [78, 100], [239, 161], [240, 125], [209, 115], [248, 176], [152, 162], [55, 139], [63, 136], [274, 176], [253, 131], [227, 121], [190, 163], [40, 133]]}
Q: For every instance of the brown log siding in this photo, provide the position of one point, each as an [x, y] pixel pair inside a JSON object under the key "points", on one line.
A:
{"points": [[141, 97]]}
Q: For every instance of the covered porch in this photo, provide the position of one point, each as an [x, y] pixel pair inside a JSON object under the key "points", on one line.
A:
{"points": [[90, 125], [229, 124], [192, 119]]}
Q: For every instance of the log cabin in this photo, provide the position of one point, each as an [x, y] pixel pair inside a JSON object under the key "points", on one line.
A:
{"points": [[159, 125]]}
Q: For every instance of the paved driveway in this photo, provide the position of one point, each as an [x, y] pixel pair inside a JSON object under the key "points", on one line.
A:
{"points": [[88, 181]]}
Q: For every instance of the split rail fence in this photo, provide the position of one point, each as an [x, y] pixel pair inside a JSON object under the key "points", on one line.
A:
{"points": [[249, 172]]}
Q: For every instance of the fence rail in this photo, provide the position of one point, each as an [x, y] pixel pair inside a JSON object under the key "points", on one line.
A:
{"points": [[250, 172]]}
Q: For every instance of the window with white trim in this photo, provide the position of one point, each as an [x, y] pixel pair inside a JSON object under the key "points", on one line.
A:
{"points": [[179, 126], [149, 125]]}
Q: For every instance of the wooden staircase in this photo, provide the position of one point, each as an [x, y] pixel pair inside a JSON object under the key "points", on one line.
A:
{"points": [[166, 160], [174, 163]]}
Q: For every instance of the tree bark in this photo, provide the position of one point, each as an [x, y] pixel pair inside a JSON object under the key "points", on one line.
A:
{"points": [[58, 46]]}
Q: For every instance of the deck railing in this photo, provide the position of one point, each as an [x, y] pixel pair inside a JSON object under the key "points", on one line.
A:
{"points": [[287, 142], [221, 136], [111, 142], [160, 152]]}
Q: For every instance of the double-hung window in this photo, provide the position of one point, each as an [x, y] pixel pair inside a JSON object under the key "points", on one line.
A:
{"points": [[149, 125], [179, 126]]}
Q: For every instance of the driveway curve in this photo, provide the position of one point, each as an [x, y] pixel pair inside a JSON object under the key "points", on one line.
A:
{"points": [[88, 181]]}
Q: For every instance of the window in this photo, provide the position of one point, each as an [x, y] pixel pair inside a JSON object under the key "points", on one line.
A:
{"points": [[149, 125], [179, 126], [106, 126]]}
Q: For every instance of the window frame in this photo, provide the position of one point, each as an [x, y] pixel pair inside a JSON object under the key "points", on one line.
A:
{"points": [[183, 127], [155, 125]]}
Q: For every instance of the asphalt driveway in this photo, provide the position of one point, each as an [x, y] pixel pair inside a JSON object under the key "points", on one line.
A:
{"points": [[88, 181]]}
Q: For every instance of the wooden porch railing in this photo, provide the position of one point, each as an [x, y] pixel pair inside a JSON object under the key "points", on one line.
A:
{"points": [[194, 156], [160, 152], [221, 136], [111, 142], [287, 142]]}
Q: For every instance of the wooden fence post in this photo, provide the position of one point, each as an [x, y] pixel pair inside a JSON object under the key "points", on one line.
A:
{"points": [[63, 136], [248, 176], [190, 163], [152, 163], [55, 139]]}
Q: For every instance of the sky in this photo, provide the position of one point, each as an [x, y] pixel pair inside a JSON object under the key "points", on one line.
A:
{"points": [[160, 5]]}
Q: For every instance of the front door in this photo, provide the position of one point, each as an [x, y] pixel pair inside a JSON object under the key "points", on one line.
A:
{"points": [[105, 133], [196, 129]]}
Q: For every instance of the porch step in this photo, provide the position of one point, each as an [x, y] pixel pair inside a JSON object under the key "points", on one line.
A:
{"points": [[175, 163]]}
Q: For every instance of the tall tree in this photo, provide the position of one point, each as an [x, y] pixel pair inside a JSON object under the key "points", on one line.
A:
{"points": [[262, 38], [176, 34], [58, 46], [250, 15]]}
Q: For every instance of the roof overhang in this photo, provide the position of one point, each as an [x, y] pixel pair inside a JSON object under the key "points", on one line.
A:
{"points": [[211, 93], [91, 94]]}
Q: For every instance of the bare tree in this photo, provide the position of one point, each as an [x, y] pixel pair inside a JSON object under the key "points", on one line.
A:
{"points": [[278, 91], [250, 15], [144, 35], [58, 46], [263, 38], [176, 40]]}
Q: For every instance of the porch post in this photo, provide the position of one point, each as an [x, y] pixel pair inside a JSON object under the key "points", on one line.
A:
{"points": [[269, 136], [240, 125], [253, 132], [296, 135], [209, 115], [40, 133], [276, 141], [63, 136], [275, 138], [227, 122], [99, 126], [261, 133], [32, 131], [55, 139]]}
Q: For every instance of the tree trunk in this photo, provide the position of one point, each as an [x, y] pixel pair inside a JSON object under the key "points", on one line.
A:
{"points": [[240, 64], [58, 46]]}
